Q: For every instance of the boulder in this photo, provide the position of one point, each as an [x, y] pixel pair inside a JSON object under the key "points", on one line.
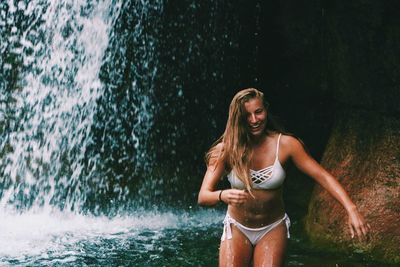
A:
{"points": [[363, 153]]}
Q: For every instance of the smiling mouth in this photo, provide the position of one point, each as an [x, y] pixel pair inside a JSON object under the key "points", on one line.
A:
{"points": [[255, 126]]}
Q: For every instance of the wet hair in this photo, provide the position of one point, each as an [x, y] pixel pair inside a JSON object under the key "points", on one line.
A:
{"points": [[233, 146]]}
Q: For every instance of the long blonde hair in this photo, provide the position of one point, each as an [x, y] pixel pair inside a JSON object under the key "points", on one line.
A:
{"points": [[235, 149]]}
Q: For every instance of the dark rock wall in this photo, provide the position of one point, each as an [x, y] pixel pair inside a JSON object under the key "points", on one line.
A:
{"points": [[362, 54], [361, 72]]}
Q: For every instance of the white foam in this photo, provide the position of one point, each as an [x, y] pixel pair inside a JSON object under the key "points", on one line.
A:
{"points": [[38, 233]]}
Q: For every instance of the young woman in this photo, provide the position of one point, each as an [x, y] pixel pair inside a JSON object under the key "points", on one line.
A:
{"points": [[253, 151]]}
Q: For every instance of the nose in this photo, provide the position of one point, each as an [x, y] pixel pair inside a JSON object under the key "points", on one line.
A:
{"points": [[252, 118]]}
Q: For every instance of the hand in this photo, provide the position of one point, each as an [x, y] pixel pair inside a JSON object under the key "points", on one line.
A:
{"points": [[234, 196], [358, 225]]}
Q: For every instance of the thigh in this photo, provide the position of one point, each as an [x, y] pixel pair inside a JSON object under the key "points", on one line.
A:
{"points": [[270, 250], [237, 251]]}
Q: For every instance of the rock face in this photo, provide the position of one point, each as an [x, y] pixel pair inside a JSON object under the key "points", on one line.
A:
{"points": [[363, 153]]}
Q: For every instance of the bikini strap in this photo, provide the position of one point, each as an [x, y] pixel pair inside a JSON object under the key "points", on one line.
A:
{"points": [[287, 222], [277, 145], [227, 233]]}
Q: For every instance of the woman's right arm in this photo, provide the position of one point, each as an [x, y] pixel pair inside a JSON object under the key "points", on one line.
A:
{"points": [[208, 196], [215, 169]]}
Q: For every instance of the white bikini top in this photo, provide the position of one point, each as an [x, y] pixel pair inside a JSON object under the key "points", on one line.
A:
{"points": [[270, 177]]}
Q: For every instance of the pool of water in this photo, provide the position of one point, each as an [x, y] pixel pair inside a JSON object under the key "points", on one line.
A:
{"points": [[188, 237]]}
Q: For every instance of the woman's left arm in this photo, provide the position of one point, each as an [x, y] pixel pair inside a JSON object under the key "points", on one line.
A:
{"points": [[309, 166]]}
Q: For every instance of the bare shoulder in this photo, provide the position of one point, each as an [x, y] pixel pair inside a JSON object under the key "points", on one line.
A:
{"points": [[215, 154], [289, 140], [291, 144], [218, 148]]}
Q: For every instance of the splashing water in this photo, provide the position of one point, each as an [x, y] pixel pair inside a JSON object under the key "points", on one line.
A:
{"points": [[70, 239], [50, 109]]}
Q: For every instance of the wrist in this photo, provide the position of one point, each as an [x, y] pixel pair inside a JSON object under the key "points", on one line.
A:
{"points": [[351, 208], [220, 195]]}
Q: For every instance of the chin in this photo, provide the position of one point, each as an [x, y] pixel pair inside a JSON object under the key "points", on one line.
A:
{"points": [[257, 133]]}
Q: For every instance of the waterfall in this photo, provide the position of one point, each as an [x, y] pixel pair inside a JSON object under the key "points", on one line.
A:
{"points": [[49, 115], [94, 98]]}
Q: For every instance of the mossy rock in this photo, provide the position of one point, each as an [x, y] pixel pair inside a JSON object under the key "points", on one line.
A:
{"points": [[364, 154]]}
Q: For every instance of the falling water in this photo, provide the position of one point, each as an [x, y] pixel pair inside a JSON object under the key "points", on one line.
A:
{"points": [[70, 115], [53, 109], [55, 101]]}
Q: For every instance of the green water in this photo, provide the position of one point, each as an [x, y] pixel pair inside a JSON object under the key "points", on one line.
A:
{"points": [[187, 237]]}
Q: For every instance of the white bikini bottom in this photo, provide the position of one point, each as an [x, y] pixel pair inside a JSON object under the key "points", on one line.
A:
{"points": [[253, 234]]}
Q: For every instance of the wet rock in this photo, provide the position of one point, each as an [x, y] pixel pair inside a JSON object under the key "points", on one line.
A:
{"points": [[363, 152]]}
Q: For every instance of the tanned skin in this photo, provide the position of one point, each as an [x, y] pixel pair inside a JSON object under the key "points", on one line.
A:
{"points": [[266, 206]]}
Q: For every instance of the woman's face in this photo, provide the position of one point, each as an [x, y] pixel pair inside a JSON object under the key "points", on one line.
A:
{"points": [[256, 115]]}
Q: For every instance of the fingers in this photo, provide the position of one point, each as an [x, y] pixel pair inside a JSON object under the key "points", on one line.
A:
{"points": [[359, 233], [351, 229], [358, 226], [365, 229], [236, 197], [356, 231]]}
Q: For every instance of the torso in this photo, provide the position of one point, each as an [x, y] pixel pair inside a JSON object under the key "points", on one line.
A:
{"points": [[267, 206]]}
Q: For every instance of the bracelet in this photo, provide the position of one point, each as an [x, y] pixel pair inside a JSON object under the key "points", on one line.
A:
{"points": [[219, 197]]}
